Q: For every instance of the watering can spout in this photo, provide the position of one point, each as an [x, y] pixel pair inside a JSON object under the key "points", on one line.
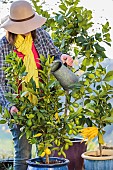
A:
{"points": [[63, 74]]}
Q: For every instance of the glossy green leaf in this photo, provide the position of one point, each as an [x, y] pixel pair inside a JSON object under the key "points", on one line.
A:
{"points": [[98, 47], [109, 76], [3, 121]]}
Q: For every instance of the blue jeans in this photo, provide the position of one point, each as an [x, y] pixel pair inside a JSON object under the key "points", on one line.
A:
{"points": [[22, 149]]}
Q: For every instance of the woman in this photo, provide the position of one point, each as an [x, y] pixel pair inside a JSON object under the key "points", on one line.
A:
{"points": [[25, 36]]}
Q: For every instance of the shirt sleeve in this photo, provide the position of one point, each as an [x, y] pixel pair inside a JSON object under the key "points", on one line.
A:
{"points": [[3, 101], [53, 50]]}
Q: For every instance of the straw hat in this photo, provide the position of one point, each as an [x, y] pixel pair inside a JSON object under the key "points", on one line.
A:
{"points": [[22, 18]]}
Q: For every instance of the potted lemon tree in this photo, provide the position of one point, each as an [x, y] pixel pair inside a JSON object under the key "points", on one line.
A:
{"points": [[45, 123], [98, 108], [95, 97]]}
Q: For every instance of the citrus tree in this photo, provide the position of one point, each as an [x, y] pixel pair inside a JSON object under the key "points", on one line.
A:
{"points": [[45, 123], [96, 102]]}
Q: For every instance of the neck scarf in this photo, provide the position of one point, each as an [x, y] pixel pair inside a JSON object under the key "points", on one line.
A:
{"points": [[25, 46]]}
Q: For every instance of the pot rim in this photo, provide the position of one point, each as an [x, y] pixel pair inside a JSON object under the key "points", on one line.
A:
{"points": [[78, 139], [87, 155], [64, 162]]}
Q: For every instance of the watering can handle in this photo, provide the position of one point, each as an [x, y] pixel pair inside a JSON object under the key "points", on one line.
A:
{"points": [[65, 64]]}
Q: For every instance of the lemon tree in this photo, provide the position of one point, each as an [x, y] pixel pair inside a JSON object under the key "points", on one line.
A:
{"points": [[46, 123]]}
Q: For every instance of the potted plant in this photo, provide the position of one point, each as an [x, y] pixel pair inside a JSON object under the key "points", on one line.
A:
{"points": [[96, 105], [46, 123]]}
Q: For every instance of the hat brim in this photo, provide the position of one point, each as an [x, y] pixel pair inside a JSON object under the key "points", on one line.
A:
{"points": [[24, 26]]}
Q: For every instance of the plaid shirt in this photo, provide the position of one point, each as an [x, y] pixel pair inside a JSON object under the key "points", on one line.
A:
{"points": [[44, 46]]}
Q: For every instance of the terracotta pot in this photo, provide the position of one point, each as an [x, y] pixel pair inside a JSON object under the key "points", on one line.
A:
{"points": [[74, 154], [92, 160]]}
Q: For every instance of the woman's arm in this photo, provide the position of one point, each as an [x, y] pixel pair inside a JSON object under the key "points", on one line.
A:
{"points": [[4, 51], [54, 51], [3, 101]]}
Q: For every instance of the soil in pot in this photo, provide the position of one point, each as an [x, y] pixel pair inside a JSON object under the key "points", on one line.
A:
{"points": [[51, 162]]}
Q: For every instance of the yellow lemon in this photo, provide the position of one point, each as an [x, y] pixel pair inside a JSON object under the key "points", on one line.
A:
{"points": [[47, 151], [43, 154], [38, 135]]}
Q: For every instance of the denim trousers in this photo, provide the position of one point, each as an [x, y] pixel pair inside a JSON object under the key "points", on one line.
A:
{"points": [[22, 149]]}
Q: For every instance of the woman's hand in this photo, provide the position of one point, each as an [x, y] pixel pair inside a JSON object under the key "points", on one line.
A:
{"points": [[13, 110], [67, 59]]}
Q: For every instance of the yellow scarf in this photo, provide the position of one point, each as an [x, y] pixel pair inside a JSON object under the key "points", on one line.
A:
{"points": [[24, 45]]}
